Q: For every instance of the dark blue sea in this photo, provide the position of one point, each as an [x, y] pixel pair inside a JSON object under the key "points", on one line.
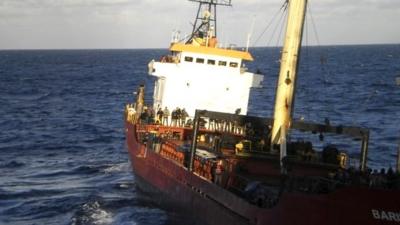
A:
{"points": [[63, 158]]}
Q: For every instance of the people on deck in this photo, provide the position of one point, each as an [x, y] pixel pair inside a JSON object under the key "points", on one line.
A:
{"points": [[178, 116], [151, 114], [165, 116], [219, 169], [159, 116], [174, 117], [184, 115], [144, 117]]}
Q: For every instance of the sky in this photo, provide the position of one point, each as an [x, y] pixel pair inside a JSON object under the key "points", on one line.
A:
{"points": [[104, 24]]}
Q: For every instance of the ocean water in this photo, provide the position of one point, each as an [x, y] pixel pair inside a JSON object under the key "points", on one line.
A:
{"points": [[62, 147]]}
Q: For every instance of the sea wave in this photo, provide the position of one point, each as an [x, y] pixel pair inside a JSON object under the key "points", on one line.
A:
{"points": [[12, 164], [92, 213], [118, 167]]}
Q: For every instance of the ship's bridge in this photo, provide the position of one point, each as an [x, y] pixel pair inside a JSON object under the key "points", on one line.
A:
{"points": [[190, 48], [197, 76]]}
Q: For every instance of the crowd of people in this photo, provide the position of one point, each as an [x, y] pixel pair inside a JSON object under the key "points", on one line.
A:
{"points": [[178, 117], [389, 178]]}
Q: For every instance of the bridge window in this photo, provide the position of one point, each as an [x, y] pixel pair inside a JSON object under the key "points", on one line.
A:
{"points": [[199, 60], [233, 64], [188, 59], [222, 63], [211, 62]]}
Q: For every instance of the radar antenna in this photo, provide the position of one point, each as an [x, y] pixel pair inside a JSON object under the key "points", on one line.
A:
{"points": [[205, 23]]}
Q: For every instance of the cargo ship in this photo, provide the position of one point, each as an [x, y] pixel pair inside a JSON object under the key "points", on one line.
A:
{"points": [[195, 147]]}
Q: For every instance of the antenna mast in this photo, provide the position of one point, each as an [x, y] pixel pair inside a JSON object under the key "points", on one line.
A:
{"points": [[205, 23]]}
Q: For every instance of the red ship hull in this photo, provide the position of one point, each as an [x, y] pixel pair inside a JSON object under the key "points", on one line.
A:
{"points": [[214, 205]]}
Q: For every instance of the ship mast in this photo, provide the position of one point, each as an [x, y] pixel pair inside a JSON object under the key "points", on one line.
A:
{"points": [[284, 101], [205, 23]]}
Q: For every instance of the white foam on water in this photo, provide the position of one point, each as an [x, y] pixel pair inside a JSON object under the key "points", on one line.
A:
{"points": [[117, 168], [124, 186], [97, 214], [102, 217]]}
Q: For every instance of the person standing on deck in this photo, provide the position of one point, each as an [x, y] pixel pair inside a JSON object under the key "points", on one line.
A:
{"points": [[159, 116], [151, 115], [184, 115], [174, 118], [144, 117], [178, 115], [165, 116], [219, 169]]}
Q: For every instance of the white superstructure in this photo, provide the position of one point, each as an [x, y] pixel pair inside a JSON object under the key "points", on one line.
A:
{"points": [[203, 77]]}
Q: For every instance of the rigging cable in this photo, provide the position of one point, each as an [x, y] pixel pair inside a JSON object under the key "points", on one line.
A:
{"points": [[284, 7], [277, 25], [307, 61], [314, 26], [323, 61], [279, 37]]}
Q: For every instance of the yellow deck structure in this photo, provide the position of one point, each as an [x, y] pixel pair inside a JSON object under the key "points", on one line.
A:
{"points": [[179, 47]]}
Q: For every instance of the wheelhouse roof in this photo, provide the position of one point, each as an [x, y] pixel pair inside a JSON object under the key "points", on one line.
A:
{"points": [[179, 47]]}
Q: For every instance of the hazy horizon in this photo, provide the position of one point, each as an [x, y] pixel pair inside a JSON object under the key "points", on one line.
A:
{"points": [[148, 24], [165, 48]]}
